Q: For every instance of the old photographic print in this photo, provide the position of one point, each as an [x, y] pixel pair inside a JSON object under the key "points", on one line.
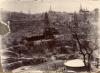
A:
{"points": [[49, 36]]}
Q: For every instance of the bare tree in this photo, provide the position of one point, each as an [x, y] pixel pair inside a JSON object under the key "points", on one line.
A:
{"points": [[85, 46]]}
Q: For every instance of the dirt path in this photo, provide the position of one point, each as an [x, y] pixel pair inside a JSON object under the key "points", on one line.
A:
{"points": [[40, 67]]}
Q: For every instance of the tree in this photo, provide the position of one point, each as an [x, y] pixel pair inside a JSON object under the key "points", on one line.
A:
{"points": [[85, 46]]}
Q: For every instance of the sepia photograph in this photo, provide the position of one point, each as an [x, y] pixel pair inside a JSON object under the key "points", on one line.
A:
{"points": [[49, 36]]}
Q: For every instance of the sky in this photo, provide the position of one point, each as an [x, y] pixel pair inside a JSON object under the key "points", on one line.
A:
{"points": [[37, 6]]}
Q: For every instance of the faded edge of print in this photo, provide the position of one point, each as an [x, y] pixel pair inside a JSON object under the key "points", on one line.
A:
{"points": [[50, 41]]}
